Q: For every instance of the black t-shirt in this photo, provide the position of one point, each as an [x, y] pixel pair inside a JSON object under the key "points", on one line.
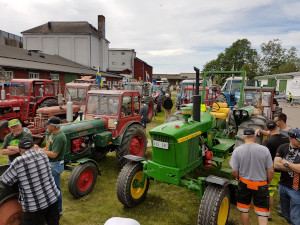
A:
{"points": [[274, 141], [289, 179]]}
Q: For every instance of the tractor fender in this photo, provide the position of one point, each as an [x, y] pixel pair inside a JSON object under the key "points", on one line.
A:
{"points": [[85, 160], [225, 183], [134, 158], [118, 140]]}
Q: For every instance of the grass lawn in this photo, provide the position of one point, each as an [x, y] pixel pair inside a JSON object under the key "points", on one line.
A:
{"points": [[165, 204]]}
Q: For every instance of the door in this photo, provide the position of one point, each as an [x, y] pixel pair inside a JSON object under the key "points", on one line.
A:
{"points": [[282, 85]]}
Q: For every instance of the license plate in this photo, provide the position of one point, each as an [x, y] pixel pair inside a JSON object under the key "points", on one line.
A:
{"points": [[160, 144]]}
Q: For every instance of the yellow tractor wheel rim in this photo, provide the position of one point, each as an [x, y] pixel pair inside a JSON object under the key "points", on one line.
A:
{"points": [[137, 192], [223, 212]]}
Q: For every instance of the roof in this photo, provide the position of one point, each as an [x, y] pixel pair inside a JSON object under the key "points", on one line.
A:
{"points": [[281, 76], [29, 80], [111, 92], [52, 27], [19, 58]]}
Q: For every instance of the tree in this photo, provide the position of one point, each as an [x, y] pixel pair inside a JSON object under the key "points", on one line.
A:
{"points": [[277, 59], [240, 55]]}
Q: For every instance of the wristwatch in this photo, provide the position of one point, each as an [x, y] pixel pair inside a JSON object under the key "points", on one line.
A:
{"points": [[286, 164]]}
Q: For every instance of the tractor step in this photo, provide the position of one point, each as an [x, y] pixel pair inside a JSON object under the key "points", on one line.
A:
{"points": [[226, 170], [216, 159]]}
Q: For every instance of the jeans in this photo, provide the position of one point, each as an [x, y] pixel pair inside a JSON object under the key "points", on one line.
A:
{"points": [[57, 168], [290, 204], [144, 122]]}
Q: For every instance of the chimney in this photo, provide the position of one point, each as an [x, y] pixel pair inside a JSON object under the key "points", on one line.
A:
{"points": [[49, 25], [101, 26]]}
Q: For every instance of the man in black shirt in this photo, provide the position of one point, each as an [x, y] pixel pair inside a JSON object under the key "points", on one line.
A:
{"points": [[287, 160], [272, 143]]}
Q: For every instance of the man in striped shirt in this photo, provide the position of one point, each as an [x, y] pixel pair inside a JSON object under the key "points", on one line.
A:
{"points": [[38, 192]]}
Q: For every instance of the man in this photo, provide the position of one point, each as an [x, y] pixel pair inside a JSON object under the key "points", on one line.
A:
{"points": [[287, 160], [144, 113], [168, 105], [41, 90], [280, 120], [55, 149], [252, 164], [290, 98], [10, 144], [272, 142], [38, 192]]}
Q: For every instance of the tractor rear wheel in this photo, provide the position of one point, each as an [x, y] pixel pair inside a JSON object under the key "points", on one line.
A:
{"points": [[11, 212], [159, 103], [151, 111], [128, 192], [82, 180], [48, 102], [134, 142], [215, 205], [4, 130]]}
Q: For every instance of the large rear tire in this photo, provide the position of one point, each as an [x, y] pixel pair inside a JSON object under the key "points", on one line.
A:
{"points": [[82, 180], [4, 130], [134, 142], [48, 102], [151, 111], [215, 206], [129, 194], [159, 103], [11, 212]]}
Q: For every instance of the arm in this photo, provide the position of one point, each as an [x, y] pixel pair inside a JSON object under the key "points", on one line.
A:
{"points": [[279, 166], [292, 166], [10, 150], [263, 132], [235, 173], [270, 174], [10, 176], [50, 154]]}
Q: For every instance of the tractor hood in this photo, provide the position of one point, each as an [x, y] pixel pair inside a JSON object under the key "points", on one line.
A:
{"points": [[11, 102], [83, 128], [48, 112], [179, 129]]}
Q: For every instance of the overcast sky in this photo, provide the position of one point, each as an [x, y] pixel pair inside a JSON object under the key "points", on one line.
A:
{"points": [[170, 35]]}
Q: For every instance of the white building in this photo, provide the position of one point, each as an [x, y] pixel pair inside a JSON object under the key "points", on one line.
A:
{"points": [[79, 42], [122, 60], [284, 82]]}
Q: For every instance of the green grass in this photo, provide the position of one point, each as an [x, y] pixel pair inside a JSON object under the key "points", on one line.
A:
{"points": [[165, 204]]}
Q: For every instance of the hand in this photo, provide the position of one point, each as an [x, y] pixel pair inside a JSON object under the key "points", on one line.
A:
{"points": [[36, 147], [283, 161], [257, 132]]}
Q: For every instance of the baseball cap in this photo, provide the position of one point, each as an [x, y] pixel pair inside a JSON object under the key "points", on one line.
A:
{"points": [[167, 95], [13, 122], [294, 133], [271, 124], [249, 131], [53, 120], [25, 143]]}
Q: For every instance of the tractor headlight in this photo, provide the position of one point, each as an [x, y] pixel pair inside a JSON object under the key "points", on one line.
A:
{"points": [[244, 113], [237, 113]]}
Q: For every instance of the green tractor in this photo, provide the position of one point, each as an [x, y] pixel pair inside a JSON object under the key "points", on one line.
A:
{"points": [[181, 146]]}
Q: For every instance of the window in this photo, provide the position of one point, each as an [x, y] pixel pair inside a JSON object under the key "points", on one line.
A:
{"points": [[122, 53], [109, 84], [7, 75], [114, 63], [34, 75], [136, 104], [54, 76], [49, 89], [126, 109]]}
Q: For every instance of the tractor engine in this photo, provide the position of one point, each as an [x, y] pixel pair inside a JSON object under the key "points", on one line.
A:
{"points": [[80, 144]]}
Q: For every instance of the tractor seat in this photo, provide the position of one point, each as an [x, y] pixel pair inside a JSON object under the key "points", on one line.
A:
{"points": [[221, 113]]}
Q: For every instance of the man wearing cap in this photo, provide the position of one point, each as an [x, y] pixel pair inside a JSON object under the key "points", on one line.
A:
{"points": [[287, 160], [11, 140], [272, 143], [168, 105], [252, 165], [56, 144], [144, 113], [38, 192]]}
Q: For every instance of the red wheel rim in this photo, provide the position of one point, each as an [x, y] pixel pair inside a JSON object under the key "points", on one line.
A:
{"points": [[4, 132], [137, 145], [85, 180], [11, 212]]}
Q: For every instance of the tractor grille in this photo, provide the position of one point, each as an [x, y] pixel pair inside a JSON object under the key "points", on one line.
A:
{"points": [[193, 148], [161, 138]]}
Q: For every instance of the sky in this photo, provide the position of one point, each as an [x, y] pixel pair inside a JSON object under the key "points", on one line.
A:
{"points": [[172, 36]]}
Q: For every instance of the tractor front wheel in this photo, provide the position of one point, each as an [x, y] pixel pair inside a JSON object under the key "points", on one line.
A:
{"points": [[129, 190], [4, 130], [11, 212], [134, 142], [82, 180], [215, 205]]}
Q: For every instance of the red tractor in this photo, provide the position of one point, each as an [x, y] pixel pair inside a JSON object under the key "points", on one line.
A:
{"points": [[24, 98]]}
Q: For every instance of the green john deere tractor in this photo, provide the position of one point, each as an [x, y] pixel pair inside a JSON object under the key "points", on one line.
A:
{"points": [[181, 146]]}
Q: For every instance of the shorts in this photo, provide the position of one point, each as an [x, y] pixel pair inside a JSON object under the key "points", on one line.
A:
{"points": [[260, 193], [273, 185]]}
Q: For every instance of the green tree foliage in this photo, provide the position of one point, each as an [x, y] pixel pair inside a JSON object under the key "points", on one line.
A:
{"points": [[276, 59], [240, 55]]}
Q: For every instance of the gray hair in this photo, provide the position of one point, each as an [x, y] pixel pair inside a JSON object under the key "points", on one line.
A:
{"points": [[57, 126]]}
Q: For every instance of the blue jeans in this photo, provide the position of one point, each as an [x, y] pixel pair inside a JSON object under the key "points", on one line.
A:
{"points": [[290, 204], [57, 168], [144, 122]]}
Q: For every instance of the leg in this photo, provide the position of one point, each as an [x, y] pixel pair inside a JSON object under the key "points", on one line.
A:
{"points": [[52, 215], [284, 202], [245, 218], [262, 220], [32, 218], [244, 196], [55, 169], [294, 206]]}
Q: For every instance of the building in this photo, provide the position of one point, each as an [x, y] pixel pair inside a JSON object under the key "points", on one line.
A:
{"points": [[141, 69], [21, 63], [79, 42], [284, 83], [10, 39], [175, 78]]}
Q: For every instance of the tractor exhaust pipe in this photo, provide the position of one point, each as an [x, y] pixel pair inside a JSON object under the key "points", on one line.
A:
{"points": [[197, 99]]}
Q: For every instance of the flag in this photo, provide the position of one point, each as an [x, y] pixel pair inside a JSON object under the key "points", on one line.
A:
{"points": [[148, 76], [99, 78]]}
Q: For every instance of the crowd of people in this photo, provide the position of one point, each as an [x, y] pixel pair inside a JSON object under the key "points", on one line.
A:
{"points": [[263, 169]]}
